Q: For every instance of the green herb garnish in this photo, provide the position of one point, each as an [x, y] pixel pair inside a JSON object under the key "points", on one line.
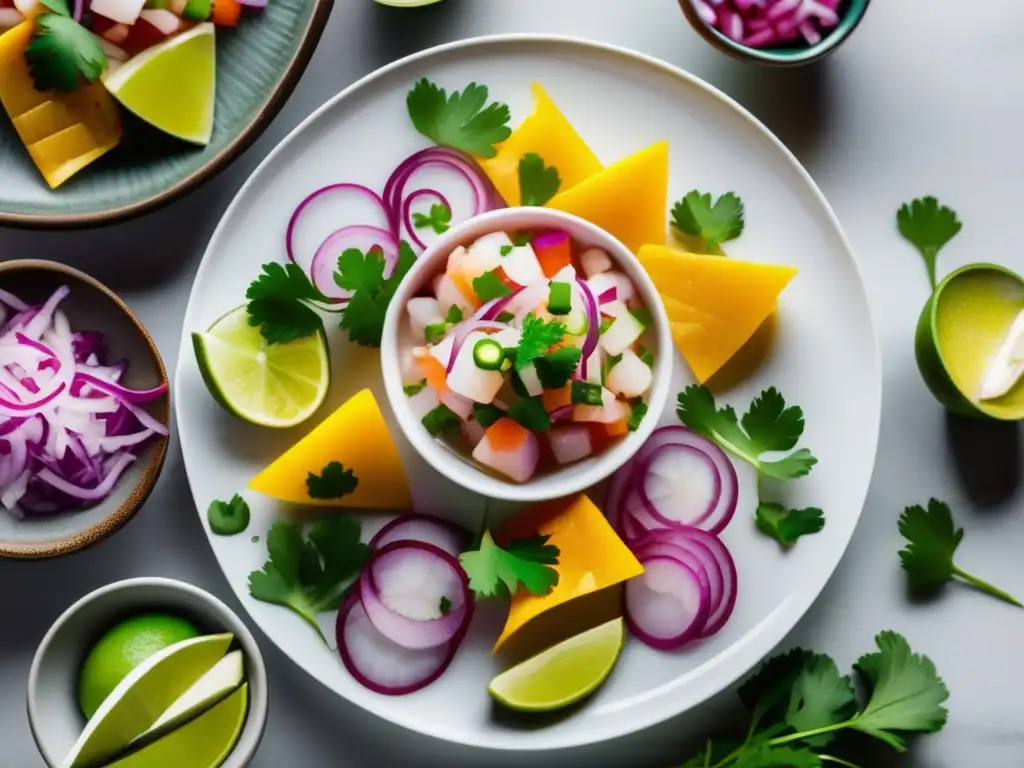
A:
{"points": [[530, 413], [415, 389], [486, 414], [928, 226], [556, 368], [434, 333], [281, 304], [227, 518], [489, 286], [441, 420], [504, 317], [63, 53], [584, 393], [695, 215], [538, 183], [606, 323], [636, 414], [363, 274], [494, 571], [461, 121], [538, 336], [645, 356], [333, 482], [787, 525], [505, 250], [439, 219]]}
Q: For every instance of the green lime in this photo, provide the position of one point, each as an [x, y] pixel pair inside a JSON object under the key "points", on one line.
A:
{"points": [[564, 673], [961, 329], [204, 742], [273, 385], [172, 85], [137, 702], [122, 649]]}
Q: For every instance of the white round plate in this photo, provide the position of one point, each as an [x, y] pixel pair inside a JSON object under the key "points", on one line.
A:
{"points": [[824, 358]]}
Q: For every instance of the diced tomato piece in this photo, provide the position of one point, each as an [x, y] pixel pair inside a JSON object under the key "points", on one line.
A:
{"points": [[556, 398], [617, 428], [226, 13], [506, 434], [599, 439], [512, 284], [435, 374], [554, 258]]}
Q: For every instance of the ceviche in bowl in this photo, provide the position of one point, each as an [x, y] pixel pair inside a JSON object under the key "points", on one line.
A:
{"points": [[526, 354]]}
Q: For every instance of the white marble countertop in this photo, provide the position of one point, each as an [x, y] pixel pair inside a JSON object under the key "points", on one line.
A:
{"points": [[925, 98]]}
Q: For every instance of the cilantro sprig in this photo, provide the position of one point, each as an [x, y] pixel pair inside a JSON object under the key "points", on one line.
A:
{"points": [[932, 540], [538, 182], [787, 525], [494, 571], [363, 274], [312, 575], [768, 425], [556, 368], [460, 121], [333, 482], [695, 215], [928, 226], [282, 303], [62, 53], [799, 701], [439, 219], [537, 337]]}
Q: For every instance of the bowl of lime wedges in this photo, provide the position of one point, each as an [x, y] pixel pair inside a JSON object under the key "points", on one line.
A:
{"points": [[148, 673], [970, 342]]}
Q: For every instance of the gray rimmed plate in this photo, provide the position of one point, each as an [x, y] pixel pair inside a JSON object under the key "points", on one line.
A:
{"points": [[90, 306], [258, 66]]}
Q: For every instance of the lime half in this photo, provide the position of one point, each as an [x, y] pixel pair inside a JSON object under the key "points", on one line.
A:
{"points": [[172, 85], [273, 385], [564, 673]]}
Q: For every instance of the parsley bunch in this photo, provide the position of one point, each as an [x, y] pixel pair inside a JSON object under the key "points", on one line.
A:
{"points": [[799, 701], [928, 226], [494, 571], [928, 556], [695, 215], [63, 53]]}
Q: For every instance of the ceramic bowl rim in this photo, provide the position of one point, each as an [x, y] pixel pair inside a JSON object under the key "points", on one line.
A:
{"points": [[566, 480], [281, 92], [258, 708], [118, 517]]}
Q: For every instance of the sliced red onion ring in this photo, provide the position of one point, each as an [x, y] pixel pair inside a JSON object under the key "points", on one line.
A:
{"points": [[407, 211], [323, 212], [360, 237], [667, 606], [401, 590], [679, 485], [380, 664], [443, 534], [593, 324], [609, 295], [495, 307]]}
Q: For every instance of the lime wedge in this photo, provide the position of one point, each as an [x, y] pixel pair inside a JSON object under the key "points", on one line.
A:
{"points": [[273, 385], [564, 673], [146, 693], [172, 85], [205, 742]]}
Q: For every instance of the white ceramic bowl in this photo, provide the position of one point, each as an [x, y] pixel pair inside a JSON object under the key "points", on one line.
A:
{"points": [[53, 712], [461, 468]]}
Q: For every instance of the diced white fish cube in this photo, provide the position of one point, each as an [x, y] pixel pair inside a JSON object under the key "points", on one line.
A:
{"points": [[630, 377], [519, 463], [455, 259], [595, 261], [521, 265], [625, 291], [621, 334], [528, 375], [570, 443], [565, 275], [484, 255], [423, 311], [594, 364], [610, 412], [447, 294], [457, 404], [468, 380], [508, 338], [443, 349]]}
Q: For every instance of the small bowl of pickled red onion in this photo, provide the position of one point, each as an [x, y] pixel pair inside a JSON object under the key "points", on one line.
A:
{"points": [[775, 32], [527, 355], [84, 410]]}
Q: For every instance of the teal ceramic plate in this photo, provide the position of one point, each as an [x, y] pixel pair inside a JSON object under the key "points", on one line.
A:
{"points": [[258, 65]]}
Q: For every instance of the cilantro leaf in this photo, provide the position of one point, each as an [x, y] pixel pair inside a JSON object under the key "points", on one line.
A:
{"points": [[764, 755], [772, 425], [695, 215], [537, 183], [820, 696], [530, 413], [928, 226], [228, 518], [277, 304], [556, 368], [486, 414], [363, 274], [766, 694], [332, 483], [310, 576], [489, 286], [787, 525], [454, 315], [636, 414], [497, 572], [932, 542], [537, 338], [439, 219], [906, 692], [441, 420], [62, 53], [415, 389], [460, 121]]}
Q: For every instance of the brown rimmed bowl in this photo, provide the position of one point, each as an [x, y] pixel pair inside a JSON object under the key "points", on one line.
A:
{"points": [[258, 66], [90, 306]]}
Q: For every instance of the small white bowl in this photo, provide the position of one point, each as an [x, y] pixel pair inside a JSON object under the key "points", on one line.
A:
{"points": [[53, 712], [461, 468]]}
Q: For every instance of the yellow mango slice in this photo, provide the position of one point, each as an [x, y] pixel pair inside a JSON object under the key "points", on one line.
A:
{"points": [[355, 435], [627, 199], [547, 133], [591, 556], [63, 132], [714, 304]]}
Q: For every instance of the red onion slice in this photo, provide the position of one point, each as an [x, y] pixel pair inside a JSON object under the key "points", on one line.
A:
{"points": [[407, 212], [322, 212], [495, 307], [443, 534], [401, 590], [667, 606], [380, 664], [593, 324], [679, 485], [360, 237]]}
